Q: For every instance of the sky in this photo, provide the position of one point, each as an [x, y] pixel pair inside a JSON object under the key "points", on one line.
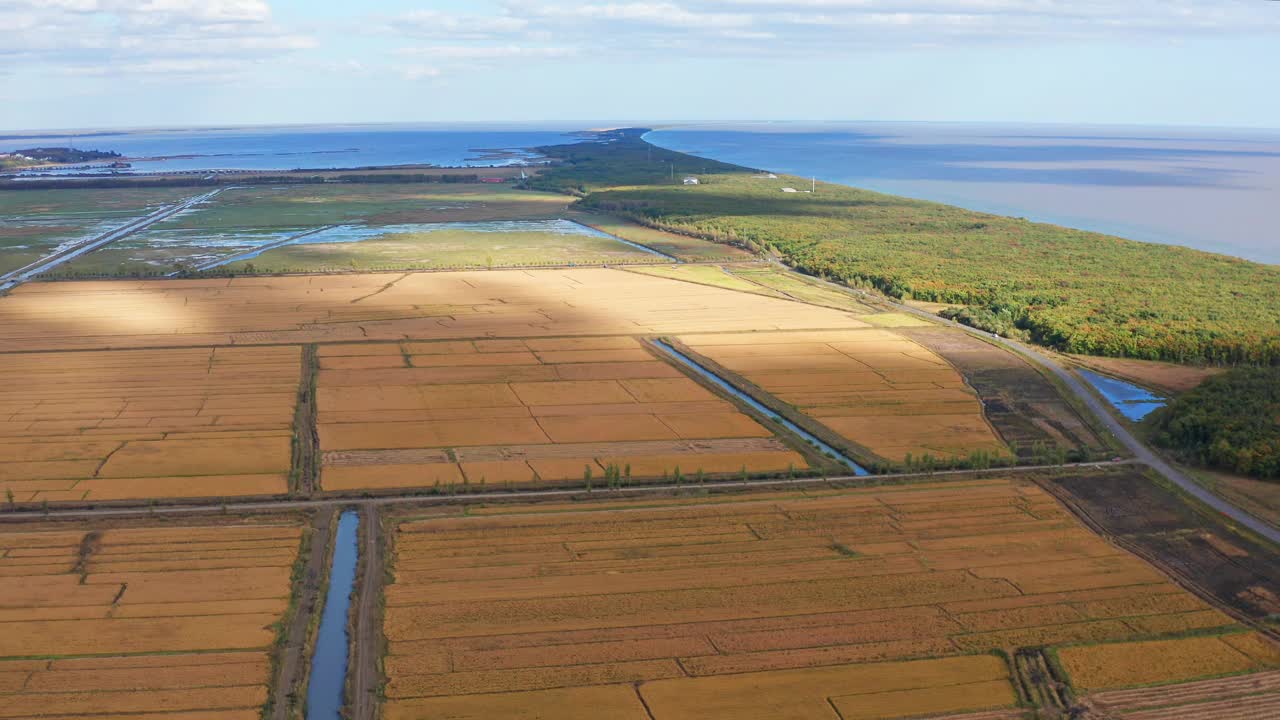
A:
{"points": [[149, 63]]}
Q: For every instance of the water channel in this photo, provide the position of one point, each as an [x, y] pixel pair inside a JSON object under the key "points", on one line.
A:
{"points": [[329, 663], [724, 385]]}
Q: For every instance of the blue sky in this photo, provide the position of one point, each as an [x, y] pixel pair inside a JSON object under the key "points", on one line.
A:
{"points": [[110, 63]]}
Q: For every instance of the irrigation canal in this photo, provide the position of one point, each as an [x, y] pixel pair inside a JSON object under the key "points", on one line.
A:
{"points": [[758, 407], [327, 685]]}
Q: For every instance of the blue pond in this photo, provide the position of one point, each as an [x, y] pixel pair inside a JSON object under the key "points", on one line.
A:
{"points": [[1132, 401], [329, 664]]}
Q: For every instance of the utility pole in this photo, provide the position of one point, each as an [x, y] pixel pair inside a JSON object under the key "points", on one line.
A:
{"points": [[673, 171], [813, 185]]}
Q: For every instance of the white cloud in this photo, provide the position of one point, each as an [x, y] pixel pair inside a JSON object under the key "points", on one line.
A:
{"points": [[467, 52], [436, 24], [800, 27], [178, 38], [419, 72]]}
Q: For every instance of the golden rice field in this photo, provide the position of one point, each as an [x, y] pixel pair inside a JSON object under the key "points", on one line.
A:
{"points": [[877, 389], [876, 602], [162, 622], [391, 306], [132, 424], [513, 412]]}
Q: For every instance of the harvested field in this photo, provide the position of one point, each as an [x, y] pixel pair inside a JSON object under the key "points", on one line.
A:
{"points": [[354, 308], [544, 410], [1239, 572], [121, 621], [1128, 664], [877, 602], [1254, 695], [874, 388], [147, 423], [1024, 407]]}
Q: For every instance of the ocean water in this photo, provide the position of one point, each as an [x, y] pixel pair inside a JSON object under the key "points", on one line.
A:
{"points": [[1215, 190], [319, 146]]}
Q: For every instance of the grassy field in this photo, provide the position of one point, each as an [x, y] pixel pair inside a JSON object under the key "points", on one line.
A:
{"points": [[1072, 290], [240, 219], [303, 206], [681, 246], [448, 249], [36, 221], [713, 275]]}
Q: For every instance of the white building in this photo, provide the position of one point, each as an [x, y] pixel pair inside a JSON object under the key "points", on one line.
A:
{"points": [[691, 180]]}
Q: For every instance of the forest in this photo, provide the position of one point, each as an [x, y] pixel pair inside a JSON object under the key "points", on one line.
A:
{"points": [[1230, 422], [1071, 290]]}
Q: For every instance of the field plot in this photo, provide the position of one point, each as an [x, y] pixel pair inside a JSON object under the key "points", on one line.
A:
{"points": [[681, 246], [169, 621], [1247, 696], [35, 222], [516, 303], [243, 218], [879, 602], [713, 275], [147, 423], [875, 388], [1025, 408], [794, 286], [503, 412], [502, 243]]}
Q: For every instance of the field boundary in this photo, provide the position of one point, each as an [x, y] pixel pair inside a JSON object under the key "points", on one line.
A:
{"points": [[364, 670], [433, 497], [305, 473]]}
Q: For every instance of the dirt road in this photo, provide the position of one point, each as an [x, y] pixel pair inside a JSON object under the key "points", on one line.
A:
{"points": [[291, 659], [362, 684]]}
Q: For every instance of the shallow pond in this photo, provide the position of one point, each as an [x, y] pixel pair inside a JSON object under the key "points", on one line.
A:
{"points": [[1132, 401]]}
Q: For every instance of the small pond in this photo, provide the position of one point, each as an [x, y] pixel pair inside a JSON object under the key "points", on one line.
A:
{"points": [[1132, 401]]}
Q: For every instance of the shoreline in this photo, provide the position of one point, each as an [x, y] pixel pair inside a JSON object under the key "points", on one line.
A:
{"points": [[1131, 229]]}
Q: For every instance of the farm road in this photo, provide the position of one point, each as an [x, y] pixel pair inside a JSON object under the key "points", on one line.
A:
{"points": [[267, 506], [363, 683], [292, 661]]}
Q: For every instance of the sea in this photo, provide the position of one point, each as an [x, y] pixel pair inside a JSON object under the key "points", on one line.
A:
{"points": [[308, 147], [1212, 189]]}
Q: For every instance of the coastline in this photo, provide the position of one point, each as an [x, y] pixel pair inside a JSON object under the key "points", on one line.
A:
{"points": [[1143, 213]]}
